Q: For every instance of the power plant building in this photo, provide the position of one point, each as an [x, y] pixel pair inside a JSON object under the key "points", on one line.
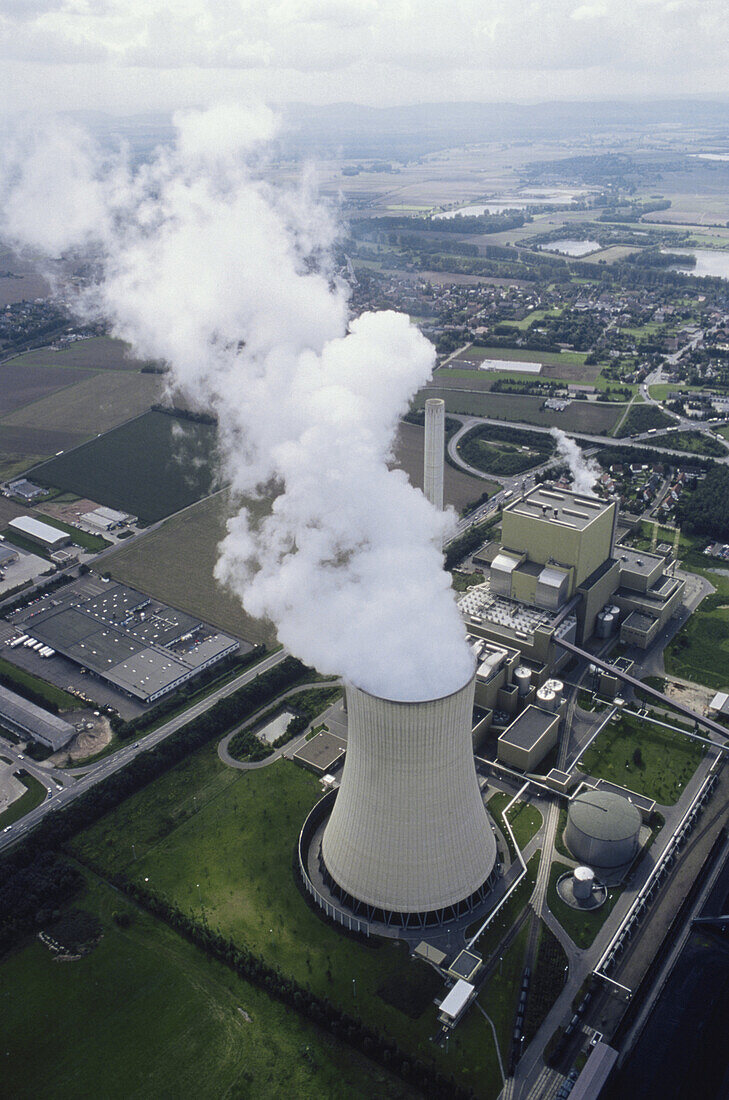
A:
{"points": [[528, 739], [409, 840]]}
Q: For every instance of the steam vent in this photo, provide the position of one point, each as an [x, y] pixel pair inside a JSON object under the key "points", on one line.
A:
{"points": [[409, 839]]}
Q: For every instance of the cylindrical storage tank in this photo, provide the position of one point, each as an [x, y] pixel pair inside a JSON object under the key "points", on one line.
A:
{"points": [[608, 623], [557, 687], [434, 451], [602, 628], [583, 881], [409, 832], [546, 698], [613, 610], [602, 829], [523, 679]]}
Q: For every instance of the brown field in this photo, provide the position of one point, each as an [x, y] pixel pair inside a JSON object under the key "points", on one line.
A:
{"points": [[23, 383], [10, 510], [175, 563], [22, 440], [459, 488], [98, 353], [95, 405], [572, 372]]}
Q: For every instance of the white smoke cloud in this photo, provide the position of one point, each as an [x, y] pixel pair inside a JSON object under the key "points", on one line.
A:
{"points": [[585, 471], [209, 268]]}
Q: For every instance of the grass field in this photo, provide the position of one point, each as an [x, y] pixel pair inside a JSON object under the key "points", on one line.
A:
{"points": [[175, 563], [699, 443], [547, 358], [233, 833], [525, 820], [147, 1014], [500, 995], [591, 417], [666, 763], [151, 466], [700, 651], [34, 794]]}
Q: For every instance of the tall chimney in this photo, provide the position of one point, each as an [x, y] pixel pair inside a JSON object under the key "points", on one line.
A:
{"points": [[433, 456]]}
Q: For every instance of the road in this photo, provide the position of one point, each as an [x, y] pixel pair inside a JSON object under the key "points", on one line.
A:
{"points": [[113, 763]]}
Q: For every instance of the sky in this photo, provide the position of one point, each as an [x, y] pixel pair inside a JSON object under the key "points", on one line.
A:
{"points": [[140, 55]]}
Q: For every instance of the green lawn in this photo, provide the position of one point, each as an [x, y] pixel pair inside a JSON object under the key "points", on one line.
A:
{"points": [[581, 927], [667, 759], [146, 1014], [700, 651], [549, 358], [500, 995], [525, 820], [535, 316], [35, 792], [591, 417], [221, 842]]}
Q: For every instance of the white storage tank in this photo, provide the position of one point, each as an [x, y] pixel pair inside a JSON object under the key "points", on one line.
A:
{"points": [[613, 610], [583, 881], [601, 627], [546, 698], [603, 829], [557, 687], [523, 679]]}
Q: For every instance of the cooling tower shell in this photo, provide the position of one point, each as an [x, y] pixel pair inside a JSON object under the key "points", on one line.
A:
{"points": [[409, 832]]}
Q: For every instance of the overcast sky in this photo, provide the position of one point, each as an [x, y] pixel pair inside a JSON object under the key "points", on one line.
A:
{"points": [[129, 55]]}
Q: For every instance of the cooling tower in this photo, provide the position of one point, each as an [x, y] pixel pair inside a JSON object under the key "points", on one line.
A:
{"points": [[409, 832], [434, 451]]}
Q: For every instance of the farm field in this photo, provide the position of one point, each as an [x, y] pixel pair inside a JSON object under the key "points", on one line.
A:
{"points": [[22, 384], [594, 418], [233, 833], [175, 563], [147, 1014], [94, 405], [459, 488], [97, 353], [548, 358], [19, 281], [151, 466]]}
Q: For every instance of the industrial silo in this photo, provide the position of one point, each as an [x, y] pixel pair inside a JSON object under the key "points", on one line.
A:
{"points": [[583, 880], [546, 698], [602, 829], [557, 689], [409, 833], [523, 679]]}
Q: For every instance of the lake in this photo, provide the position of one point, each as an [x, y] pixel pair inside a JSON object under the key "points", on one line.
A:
{"points": [[570, 247], [708, 262]]}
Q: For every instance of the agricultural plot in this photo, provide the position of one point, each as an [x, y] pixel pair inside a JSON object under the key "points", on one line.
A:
{"points": [[151, 466], [92, 406], [547, 358], [98, 353], [175, 563], [591, 417], [21, 384]]}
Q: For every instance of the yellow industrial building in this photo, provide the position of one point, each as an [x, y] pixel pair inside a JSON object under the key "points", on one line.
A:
{"points": [[557, 575]]}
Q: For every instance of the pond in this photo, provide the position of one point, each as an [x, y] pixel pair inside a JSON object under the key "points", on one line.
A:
{"points": [[708, 262], [571, 247]]}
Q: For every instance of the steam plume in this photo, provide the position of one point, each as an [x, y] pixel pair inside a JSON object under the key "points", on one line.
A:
{"points": [[585, 471], [227, 279]]}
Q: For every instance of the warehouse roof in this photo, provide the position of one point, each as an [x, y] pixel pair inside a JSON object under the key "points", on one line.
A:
{"points": [[38, 723], [604, 815], [42, 532]]}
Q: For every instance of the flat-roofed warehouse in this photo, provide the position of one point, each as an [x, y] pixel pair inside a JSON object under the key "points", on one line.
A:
{"points": [[142, 647], [42, 533], [528, 739], [28, 720]]}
